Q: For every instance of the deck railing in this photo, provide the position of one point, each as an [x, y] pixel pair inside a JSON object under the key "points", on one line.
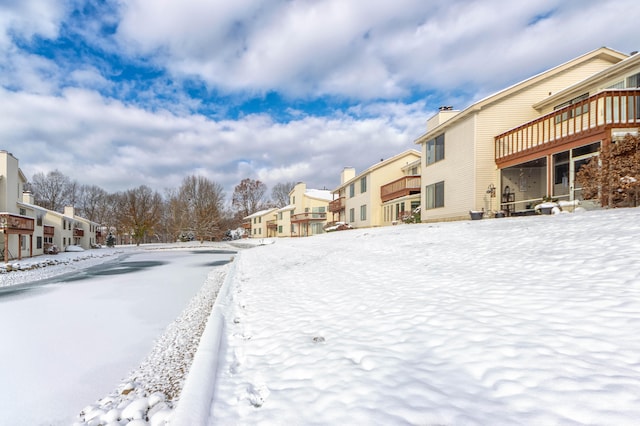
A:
{"points": [[48, 230], [13, 222], [609, 108], [77, 232], [308, 216], [337, 205], [406, 185]]}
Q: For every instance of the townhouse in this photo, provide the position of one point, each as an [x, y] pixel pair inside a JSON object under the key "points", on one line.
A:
{"points": [[30, 230], [260, 224], [381, 195], [307, 212], [511, 149]]}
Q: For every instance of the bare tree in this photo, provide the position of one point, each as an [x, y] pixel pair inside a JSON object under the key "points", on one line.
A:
{"points": [[90, 203], [280, 193], [196, 208], [248, 197], [139, 212], [53, 191]]}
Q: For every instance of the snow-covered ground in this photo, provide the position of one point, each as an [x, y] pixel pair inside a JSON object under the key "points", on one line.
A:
{"points": [[531, 320], [505, 321]]}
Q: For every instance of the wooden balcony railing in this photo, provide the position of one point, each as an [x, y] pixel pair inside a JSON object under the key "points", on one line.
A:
{"points": [[308, 216], [272, 224], [77, 232], [15, 224], [337, 205], [406, 185], [595, 114], [48, 230]]}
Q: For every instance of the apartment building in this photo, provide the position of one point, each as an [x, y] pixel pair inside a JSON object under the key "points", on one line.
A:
{"points": [[367, 199], [27, 230], [261, 224], [497, 154], [309, 214]]}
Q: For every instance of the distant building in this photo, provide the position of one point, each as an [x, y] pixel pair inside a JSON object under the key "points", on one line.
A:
{"points": [[27, 230], [381, 194]]}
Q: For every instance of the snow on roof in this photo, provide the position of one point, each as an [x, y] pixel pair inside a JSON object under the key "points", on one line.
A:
{"points": [[322, 194], [260, 213]]}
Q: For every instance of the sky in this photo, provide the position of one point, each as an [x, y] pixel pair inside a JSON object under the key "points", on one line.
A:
{"points": [[122, 93]]}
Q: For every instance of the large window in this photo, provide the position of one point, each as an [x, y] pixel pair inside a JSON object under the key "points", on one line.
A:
{"points": [[435, 149], [363, 212], [363, 185], [352, 190], [572, 112], [435, 195], [633, 81]]}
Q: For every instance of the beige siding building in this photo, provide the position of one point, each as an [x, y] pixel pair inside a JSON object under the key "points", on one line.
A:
{"points": [[309, 215], [542, 156], [262, 223], [17, 222], [359, 199], [28, 230], [459, 163]]}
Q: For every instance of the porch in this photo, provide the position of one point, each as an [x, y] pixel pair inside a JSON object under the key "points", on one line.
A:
{"points": [[308, 223], [12, 224], [406, 185], [540, 159], [593, 118]]}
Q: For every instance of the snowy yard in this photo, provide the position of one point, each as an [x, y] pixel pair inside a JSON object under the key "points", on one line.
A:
{"points": [[507, 321]]}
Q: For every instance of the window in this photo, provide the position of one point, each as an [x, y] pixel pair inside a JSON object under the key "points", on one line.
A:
{"points": [[280, 216], [279, 229], [23, 212], [39, 242], [352, 190], [435, 149], [572, 112], [414, 171], [633, 81], [293, 199], [363, 212], [352, 215], [435, 195], [363, 185]]}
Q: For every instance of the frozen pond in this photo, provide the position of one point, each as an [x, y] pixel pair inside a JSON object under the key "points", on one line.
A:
{"points": [[67, 342]]}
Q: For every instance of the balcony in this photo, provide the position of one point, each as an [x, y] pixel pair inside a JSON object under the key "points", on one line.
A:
{"points": [[592, 117], [406, 185], [272, 224], [337, 205], [14, 224], [77, 232], [308, 217], [48, 231]]}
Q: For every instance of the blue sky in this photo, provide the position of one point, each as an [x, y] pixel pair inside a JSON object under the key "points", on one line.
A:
{"points": [[119, 93]]}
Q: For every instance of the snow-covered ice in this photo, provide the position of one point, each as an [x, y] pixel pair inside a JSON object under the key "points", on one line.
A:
{"points": [[70, 341], [506, 321]]}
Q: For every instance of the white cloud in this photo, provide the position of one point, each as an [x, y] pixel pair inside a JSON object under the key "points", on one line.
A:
{"points": [[371, 49], [107, 143]]}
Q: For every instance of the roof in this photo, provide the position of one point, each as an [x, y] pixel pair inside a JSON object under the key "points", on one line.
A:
{"points": [[603, 52], [286, 208], [320, 194], [260, 213], [598, 78], [377, 166]]}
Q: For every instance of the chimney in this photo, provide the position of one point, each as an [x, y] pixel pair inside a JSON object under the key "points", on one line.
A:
{"points": [[27, 197], [69, 211], [347, 174]]}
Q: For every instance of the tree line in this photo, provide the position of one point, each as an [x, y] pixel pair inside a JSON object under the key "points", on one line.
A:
{"points": [[197, 210]]}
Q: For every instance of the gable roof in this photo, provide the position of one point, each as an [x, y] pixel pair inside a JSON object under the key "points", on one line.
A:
{"points": [[605, 53], [597, 78], [260, 213]]}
